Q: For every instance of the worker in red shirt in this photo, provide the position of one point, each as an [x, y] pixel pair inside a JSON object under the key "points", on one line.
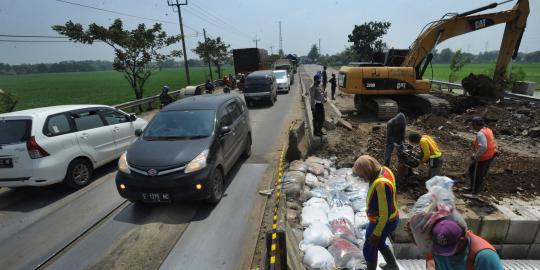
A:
{"points": [[485, 150]]}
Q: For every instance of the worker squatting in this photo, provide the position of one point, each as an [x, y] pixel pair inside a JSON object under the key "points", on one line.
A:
{"points": [[454, 246]]}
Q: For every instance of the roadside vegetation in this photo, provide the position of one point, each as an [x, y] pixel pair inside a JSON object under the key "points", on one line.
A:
{"points": [[100, 87]]}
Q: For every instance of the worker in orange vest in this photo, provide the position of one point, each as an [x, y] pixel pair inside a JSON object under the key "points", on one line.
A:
{"points": [[485, 149], [457, 248], [431, 153], [382, 211]]}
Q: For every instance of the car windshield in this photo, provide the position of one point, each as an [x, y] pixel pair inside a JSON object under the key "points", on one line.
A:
{"points": [[180, 125], [280, 74]]}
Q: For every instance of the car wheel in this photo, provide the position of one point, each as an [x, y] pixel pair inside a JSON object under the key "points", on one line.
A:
{"points": [[216, 186], [247, 149], [79, 174]]}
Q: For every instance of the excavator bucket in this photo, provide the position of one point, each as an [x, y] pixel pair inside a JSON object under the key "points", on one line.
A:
{"points": [[483, 86]]}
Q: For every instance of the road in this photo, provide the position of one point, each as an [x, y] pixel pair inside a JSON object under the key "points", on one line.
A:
{"points": [[94, 228]]}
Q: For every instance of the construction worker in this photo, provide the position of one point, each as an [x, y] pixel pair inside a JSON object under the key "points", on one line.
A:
{"points": [[324, 79], [431, 153], [455, 247], [317, 107], [485, 150], [382, 210], [395, 134], [164, 98], [333, 85]]}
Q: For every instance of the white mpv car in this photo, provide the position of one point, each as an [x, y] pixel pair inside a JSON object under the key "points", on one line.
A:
{"points": [[43, 146]]}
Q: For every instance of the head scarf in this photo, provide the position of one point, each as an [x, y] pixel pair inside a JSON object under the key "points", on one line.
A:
{"points": [[367, 167]]}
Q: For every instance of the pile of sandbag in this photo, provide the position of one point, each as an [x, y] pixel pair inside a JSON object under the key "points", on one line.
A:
{"points": [[333, 213]]}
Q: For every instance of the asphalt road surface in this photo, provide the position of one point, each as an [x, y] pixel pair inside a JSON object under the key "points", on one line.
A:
{"points": [[94, 228]]}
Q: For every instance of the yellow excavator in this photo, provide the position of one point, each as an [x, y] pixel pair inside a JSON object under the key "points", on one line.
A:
{"points": [[395, 77]]}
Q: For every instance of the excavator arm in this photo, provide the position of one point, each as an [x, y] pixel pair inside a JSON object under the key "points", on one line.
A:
{"points": [[516, 18]]}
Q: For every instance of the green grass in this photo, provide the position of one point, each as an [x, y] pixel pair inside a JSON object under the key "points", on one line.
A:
{"points": [[441, 71], [101, 87]]}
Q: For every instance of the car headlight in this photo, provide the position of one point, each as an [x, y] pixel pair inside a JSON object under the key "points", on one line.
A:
{"points": [[122, 164], [198, 163]]}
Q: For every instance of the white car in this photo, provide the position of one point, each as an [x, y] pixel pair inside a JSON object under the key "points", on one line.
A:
{"points": [[282, 80], [43, 146]]}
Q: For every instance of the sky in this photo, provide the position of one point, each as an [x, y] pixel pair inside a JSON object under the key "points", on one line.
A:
{"points": [[239, 22]]}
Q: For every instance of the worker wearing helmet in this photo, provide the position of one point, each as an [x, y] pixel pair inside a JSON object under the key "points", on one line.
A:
{"points": [[382, 210], [317, 105], [431, 153], [164, 97]]}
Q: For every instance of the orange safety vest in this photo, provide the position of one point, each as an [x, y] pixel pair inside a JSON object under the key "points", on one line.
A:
{"points": [[477, 244], [491, 145], [386, 177]]}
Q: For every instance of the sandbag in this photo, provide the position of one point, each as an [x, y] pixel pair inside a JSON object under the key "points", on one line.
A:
{"points": [[312, 214], [298, 165], [292, 189], [338, 198], [295, 176], [316, 257], [317, 192], [342, 228], [317, 234], [319, 202], [311, 180], [358, 205], [315, 168], [341, 212], [343, 251]]}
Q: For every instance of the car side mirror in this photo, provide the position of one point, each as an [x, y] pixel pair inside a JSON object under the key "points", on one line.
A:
{"points": [[132, 118], [138, 132], [225, 130]]}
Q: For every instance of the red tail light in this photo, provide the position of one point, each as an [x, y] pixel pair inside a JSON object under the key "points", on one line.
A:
{"points": [[34, 150]]}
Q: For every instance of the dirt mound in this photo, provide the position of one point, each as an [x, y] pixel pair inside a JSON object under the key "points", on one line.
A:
{"points": [[460, 104], [482, 86]]}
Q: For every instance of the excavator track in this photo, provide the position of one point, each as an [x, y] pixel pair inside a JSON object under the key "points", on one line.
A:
{"points": [[386, 108]]}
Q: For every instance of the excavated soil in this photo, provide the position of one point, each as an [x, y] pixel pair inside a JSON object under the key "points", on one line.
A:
{"points": [[513, 173]]}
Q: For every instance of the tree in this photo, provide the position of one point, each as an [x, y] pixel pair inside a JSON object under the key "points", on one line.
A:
{"points": [[459, 60], [445, 56], [366, 38], [216, 52], [136, 51], [7, 101], [313, 54]]}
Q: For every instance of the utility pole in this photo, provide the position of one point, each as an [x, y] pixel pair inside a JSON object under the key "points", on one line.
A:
{"points": [[271, 50], [177, 4], [256, 42], [207, 55], [280, 39], [319, 46]]}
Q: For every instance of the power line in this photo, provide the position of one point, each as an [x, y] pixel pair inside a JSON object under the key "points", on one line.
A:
{"points": [[122, 13], [34, 41], [29, 36], [218, 19]]}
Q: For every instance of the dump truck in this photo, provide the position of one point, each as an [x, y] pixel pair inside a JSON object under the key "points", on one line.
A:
{"points": [[248, 60]]}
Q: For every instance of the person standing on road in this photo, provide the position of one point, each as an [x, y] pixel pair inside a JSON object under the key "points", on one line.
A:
{"points": [[324, 79], [317, 106], [333, 85], [431, 153], [395, 133], [455, 247], [382, 210], [485, 150]]}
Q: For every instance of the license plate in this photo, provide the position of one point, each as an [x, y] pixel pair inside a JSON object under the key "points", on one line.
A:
{"points": [[6, 163], [156, 197]]}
